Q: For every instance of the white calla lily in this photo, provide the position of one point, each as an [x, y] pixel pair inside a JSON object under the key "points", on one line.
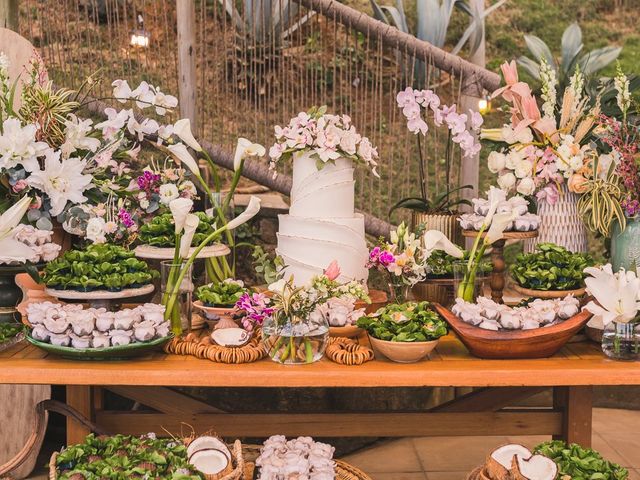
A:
{"points": [[495, 196], [180, 208], [244, 149], [617, 295], [499, 224], [182, 129], [436, 240], [180, 153], [11, 218], [190, 225], [251, 211]]}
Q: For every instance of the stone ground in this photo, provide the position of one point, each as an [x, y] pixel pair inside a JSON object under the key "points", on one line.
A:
{"points": [[615, 435]]}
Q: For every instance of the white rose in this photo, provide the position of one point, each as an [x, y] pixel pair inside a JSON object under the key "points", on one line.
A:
{"points": [[95, 230], [524, 168], [168, 192], [512, 159], [525, 136], [576, 162], [507, 181], [496, 161], [526, 186]]}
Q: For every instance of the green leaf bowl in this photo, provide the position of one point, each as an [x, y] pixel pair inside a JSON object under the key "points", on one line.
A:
{"points": [[121, 352]]}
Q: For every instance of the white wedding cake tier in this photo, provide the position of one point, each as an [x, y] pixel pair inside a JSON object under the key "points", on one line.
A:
{"points": [[321, 225]]}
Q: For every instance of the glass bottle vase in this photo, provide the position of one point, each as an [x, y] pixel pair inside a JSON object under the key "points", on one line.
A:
{"points": [[295, 341], [621, 341], [179, 309]]}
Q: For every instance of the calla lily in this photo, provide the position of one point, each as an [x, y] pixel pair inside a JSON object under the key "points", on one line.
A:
{"points": [[436, 240], [11, 218], [278, 286], [499, 224], [617, 295], [190, 225], [245, 149], [182, 129], [180, 208], [495, 196], [252, 209], [332, 271], [180, 153]]}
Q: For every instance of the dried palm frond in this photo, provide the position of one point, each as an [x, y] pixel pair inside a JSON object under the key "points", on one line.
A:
{"points": [[587, 123], [567, 107]]}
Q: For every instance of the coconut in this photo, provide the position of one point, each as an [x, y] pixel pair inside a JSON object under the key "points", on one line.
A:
{"points": [[207, 442], [536, 467], [499, 463], [231, 337], [211, 462]]}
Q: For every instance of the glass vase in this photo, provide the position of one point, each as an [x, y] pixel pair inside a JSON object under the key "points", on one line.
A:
{"points": [[621, 341], [293, 341], [625, 245], [399, 292], [178, 307], [466, 285]]}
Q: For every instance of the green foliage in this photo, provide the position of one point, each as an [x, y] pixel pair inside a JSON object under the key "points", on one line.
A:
{"points": [[266, 267], [98, 267], [440, 264], [122, 457], [223, 294], [444, 203], [9, 330], [407, 322], [580, 463], [160, 232], [551, 268]]}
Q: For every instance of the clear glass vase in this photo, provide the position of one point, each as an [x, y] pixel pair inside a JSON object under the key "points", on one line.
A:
{"points": [[399, 292], [621, 341], [466, 285], [178, 306], [295, 341]]}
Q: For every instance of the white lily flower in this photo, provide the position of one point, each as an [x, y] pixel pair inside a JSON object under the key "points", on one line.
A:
{"points": [[12, 249], [436, 240], [190, 226], [182, 128], [245, 149], [617, 295], [180, 152], [121, 90], [18, 145], [499, 224], [251, 211], [278, 286], [180, 208], [11, 218], [495, 196]]}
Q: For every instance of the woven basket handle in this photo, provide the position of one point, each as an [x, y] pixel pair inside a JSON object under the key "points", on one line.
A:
{"points": [[40, 429]]}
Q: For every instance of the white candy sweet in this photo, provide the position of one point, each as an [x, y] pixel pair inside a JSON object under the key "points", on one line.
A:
{"points": [[120, 337], [60, 339], [511, 320], [40, 333], [124, 319], [82, 323], [80, 342], [100, 340], [144, 331], [104, 321], [490, 325]]}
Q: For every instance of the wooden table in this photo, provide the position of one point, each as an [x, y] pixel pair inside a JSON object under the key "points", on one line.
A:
{"points": [[485, 411]]}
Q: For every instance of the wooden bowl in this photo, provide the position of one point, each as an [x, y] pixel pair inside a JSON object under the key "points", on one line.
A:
{"points": [[402, 352], [348, 331], [537, 343], [528, 292], [220, 317]]}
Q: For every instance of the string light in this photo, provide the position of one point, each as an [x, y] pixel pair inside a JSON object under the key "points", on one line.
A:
{"points": [[140, 38], [484, 105]]}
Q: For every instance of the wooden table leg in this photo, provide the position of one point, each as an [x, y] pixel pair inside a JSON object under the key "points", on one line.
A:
{"points": [[497, 275], [576, 403], [80, 398]]}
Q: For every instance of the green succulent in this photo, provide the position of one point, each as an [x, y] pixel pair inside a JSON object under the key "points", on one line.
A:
{"points": [[123, 456], [407, 322], [223, 294], [97, 267], [160, 232], [9, 330], [579, 463], [551, 267]]}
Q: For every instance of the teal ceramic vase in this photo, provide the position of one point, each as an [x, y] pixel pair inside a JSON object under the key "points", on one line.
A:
{"points": [[625, 245]]}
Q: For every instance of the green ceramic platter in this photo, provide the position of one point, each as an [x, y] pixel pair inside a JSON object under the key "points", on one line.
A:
{"points": [[110, 353]]}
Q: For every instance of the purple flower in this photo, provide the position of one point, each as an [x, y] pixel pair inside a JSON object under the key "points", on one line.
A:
{"points": [[386, 258], [257, 309], [148, 181], [126, 218]]}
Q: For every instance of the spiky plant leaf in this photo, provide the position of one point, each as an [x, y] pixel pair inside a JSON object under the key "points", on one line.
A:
{"points": [[571, 46], [598, 59]]}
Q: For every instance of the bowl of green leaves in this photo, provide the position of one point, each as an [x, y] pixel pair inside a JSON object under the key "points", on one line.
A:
{"points": [[551, 271], [98, 268], [404, 333], [217, 300]]}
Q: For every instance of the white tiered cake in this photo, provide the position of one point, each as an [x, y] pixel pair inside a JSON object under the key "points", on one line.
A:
{"points": [[321, 225]]}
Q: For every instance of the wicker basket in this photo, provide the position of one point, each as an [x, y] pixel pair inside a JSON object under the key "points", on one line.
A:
{"points": [[245, 457]]}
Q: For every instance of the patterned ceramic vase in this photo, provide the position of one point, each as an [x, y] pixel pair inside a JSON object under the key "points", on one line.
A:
{"points": [[625, 245]]}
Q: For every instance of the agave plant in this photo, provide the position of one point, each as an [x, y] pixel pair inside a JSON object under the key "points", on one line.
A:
{"points": [[571, 58], [434, 17]]}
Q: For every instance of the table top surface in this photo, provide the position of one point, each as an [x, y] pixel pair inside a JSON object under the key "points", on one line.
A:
{"points": [[580, 363]]}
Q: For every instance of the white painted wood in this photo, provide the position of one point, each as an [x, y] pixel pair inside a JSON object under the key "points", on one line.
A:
{"points": [[186, 26]]}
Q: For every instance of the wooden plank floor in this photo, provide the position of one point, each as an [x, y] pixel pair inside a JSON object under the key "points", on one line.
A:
{"points": [[577, 364]]}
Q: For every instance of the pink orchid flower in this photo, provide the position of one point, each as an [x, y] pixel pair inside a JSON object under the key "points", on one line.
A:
{"points": [[332, 271]]}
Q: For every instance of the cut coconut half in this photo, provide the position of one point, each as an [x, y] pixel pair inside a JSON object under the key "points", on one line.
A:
{"points": [[213, 463], [536, 467], [207, 442], [231, 337], [500, 461]]}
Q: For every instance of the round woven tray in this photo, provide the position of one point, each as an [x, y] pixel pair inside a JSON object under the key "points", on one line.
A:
{"points": [[347, 351], [200, 345], [475, 475], [245, 466]]}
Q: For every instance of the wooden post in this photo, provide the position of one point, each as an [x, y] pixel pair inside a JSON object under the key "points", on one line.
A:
{"points": [[80, 398], [577, 413], [9, 14], [470, 166], [186, 26]]}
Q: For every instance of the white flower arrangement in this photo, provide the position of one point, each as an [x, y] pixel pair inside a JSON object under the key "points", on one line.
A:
{"points": [[328, 136]]}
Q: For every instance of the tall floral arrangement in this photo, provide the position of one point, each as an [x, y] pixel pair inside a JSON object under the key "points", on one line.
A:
{"points": [[327, 136], [421, 107]]}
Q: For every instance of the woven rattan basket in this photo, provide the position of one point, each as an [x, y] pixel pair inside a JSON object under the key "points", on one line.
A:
{"points": [[244, 466]]}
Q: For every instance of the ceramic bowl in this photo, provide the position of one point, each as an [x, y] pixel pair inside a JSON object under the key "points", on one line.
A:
{"points": [[348, 331], [402, 352], [220, 317]]}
